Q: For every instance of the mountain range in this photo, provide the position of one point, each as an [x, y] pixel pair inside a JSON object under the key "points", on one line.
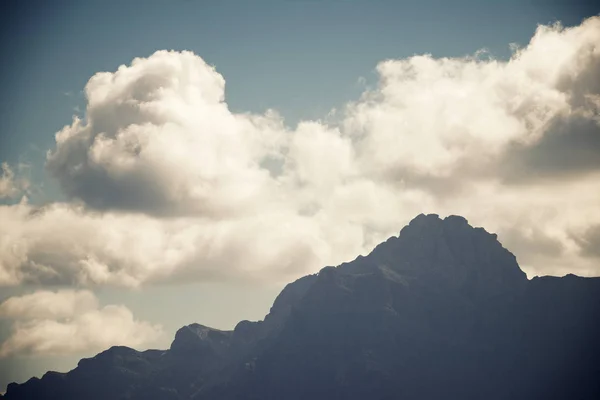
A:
{"points": [[441, 311]]}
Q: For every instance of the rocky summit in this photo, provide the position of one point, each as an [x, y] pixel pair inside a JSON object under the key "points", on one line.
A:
{"points": [[440, 311]]}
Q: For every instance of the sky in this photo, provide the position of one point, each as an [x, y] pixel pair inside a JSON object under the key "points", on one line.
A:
{"points": [[179, 162]]}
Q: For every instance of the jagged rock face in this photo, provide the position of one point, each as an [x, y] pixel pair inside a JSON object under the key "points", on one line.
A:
{"points": [[442, 311]]}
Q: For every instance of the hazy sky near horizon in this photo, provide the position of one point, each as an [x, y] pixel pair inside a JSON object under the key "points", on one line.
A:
{"points": [[181, 161]]}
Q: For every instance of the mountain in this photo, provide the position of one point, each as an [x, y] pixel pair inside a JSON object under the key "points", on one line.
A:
{"points": [[441, 311]]}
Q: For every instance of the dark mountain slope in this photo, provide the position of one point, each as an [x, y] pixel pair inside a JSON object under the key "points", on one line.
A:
{"points": [[442, 311]]}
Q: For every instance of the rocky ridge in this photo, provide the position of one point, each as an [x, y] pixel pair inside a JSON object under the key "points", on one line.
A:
{"points": [[441, 311]]}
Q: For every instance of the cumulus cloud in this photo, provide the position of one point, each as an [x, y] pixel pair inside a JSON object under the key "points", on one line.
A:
{"points": [[168, 183], [569, 147], [589, 241], [439, 117], [10, 185], [65, 244], [69, 321], [49, 305], [158, 138]]}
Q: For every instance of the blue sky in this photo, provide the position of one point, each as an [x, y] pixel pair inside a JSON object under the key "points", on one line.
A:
{"points": [[302, 58]]}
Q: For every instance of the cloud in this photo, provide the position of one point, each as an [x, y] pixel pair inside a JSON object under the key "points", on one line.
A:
{"points": [[69, 321], [168, 184], [158, 138], [589, 241], [10, 185], [451, 117], [570, 146], [49, 305], [66, 244]]}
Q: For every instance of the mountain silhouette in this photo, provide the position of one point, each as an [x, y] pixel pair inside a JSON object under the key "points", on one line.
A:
{"points": [[441, 311]]}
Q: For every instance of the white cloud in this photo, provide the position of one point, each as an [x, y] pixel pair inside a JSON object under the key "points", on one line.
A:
{"points": [[158, 138], [183, 188], [69, 321], [10, 185], [432, 116], [65, 244], [45, 304]]}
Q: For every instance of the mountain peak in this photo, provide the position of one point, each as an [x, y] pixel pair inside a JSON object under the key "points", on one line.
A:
{"points": [[442, 310], [432, 221], [450, 253]]}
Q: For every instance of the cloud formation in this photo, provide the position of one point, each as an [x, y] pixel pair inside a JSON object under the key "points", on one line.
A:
{"points": [[590, 242], [439, 117], [65, 244], [159, 139], [167, 183], [11, 186], [70, 321]]}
